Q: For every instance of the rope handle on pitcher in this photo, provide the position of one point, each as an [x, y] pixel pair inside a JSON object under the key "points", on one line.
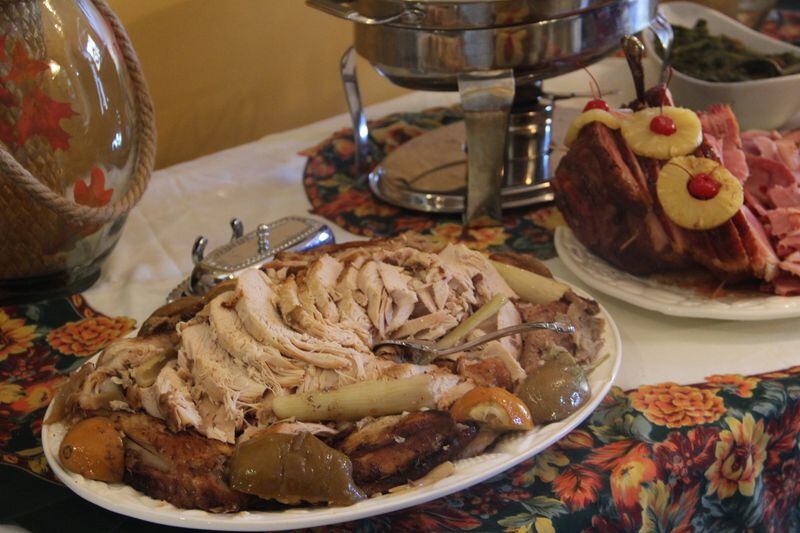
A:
{"points": [[144, 156]]}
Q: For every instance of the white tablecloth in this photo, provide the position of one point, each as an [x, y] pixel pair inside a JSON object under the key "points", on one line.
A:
{"points": [[262, 181]]}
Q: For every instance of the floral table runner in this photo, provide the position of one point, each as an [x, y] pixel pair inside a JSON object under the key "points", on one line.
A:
{"points": [[39, 345]]}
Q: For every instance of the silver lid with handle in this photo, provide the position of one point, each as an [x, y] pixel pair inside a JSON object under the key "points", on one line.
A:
{"points": [[250, 250]]}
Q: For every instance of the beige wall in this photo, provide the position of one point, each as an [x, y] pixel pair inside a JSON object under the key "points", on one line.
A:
{"points": [[224, 72]]}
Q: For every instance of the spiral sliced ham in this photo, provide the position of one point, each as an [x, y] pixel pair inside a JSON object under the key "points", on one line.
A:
{"points": [[720, 123], [773, 191], [607, 196]]}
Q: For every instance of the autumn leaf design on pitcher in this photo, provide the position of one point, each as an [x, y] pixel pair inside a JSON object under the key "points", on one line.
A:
{"points": [[36, 113], [93, 194]]}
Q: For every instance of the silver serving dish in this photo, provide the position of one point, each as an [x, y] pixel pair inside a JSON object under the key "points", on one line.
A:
{"points": [[251, 250], [431, 59], [495, 53], [425, 44]]}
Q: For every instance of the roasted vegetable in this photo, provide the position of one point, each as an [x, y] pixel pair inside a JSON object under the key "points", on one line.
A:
{"points": [[555, 390], [494, 408], [356, 401], [93, 448], [524, 261], [293, 468], [529, 286], [487, 311]]}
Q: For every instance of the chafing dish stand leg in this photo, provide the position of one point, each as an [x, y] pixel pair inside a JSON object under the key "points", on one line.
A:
{"points": [[486, 98], [347, 66]]}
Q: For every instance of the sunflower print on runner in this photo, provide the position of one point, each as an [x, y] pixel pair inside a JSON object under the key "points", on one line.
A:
{"points": [[16, 336], [736, 383], [740, 454]]}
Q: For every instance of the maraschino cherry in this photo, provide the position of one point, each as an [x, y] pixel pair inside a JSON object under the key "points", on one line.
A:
{"points": [[703, 187], [597, 103], [663, 125]]}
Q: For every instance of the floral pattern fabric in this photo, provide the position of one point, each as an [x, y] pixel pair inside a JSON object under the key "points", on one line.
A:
{"points": [[40, 345], [622, 471]]}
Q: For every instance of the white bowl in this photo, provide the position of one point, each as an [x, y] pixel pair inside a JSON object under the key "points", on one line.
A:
{"points": [[758, 104]]}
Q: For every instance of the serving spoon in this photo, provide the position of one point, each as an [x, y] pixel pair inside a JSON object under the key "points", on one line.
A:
{"points": [[663, 31], [424, 351]]}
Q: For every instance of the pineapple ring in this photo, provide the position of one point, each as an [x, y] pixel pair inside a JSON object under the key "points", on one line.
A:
{"points": [[692, 213], [643, 141], [493, 407], [587, 117]]}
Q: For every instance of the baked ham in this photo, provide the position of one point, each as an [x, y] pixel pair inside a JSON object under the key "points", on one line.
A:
{"points": [[607, 196], [773, 193]]}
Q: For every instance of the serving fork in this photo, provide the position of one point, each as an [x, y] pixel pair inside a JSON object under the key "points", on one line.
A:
{"points": [[425, 351]]}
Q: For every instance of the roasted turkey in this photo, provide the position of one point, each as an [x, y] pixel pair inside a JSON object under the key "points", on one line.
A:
{"points": [[202, 376]]}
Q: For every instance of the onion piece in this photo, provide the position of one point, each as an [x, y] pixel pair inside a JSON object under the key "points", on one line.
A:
{"points": [[487, 311], [359, 400], [531, 287]]}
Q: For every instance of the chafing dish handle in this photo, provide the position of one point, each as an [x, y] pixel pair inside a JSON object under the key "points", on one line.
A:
{"points": [[344, 9]]}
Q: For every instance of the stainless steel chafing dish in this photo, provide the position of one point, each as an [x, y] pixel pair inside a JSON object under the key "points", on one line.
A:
{"points": [[426, 44], [495, 53]]}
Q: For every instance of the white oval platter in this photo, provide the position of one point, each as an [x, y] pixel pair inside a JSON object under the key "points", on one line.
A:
{"points": [[511, 450], [656, 295]]}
